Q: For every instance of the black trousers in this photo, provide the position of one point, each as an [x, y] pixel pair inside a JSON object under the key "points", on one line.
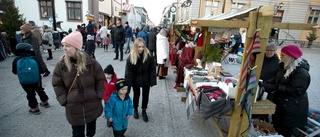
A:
{"points": [[120, 133], [31, 90], [78, 131], [119, 48], [145, 96]]}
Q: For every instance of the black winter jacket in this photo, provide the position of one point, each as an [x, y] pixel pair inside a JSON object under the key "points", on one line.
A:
{"points": [[290, 96], [141, 74], [119, 35]]}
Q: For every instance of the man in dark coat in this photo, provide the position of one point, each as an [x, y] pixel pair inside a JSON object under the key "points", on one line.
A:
{"points": [[152, 40], [129, 36], [119, 40]]}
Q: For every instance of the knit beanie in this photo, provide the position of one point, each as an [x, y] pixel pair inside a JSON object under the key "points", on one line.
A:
{"points": [[24, 46], [292, 50], [26, 27], [73, 39], [121, 83], [109, 69]]}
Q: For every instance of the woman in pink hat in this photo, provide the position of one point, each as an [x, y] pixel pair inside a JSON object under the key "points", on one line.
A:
{"points": [[78, 84], [290, 86]]}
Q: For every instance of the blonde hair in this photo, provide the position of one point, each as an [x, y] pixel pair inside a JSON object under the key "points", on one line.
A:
{"points": [[134, 54], [81, 61], [291, 64]]}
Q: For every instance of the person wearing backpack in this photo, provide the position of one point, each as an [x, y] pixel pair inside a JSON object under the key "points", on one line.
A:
{"points": [[28, 69], [28, 37], [47, 41]]}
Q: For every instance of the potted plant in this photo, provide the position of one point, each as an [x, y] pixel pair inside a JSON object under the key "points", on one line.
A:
{"points": [[212, 57], [212, 53], [311, 37]]}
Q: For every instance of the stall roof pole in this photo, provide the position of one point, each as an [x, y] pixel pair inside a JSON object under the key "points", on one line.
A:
{"points": [[239, 119]]}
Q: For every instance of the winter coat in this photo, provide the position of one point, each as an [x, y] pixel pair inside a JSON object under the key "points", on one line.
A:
{"points": [[90, 47], [141, 74], [103, 32], [162, 48], [36, 32], [118, 110], [290, 95], [47, 35], [22, 53], [119, 35], [129, 33], [152, 41], [269, 70], [144, 35], [83, 104], [109, 87], [31, 39], [269, 67]]}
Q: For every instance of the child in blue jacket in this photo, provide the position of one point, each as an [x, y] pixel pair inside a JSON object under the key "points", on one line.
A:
{"points": [[118, 108]]}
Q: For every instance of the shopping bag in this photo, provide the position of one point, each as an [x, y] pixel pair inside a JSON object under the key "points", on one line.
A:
{"points": [[163, 71]]}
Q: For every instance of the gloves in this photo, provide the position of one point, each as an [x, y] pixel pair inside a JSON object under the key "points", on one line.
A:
{"points": [[50, 45], [270, 87]]}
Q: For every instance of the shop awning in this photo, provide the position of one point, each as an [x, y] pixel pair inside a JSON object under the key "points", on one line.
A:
{"points": [[127, 7]]}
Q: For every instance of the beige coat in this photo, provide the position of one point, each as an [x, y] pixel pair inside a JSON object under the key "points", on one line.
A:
{"points": [[84, 102]]}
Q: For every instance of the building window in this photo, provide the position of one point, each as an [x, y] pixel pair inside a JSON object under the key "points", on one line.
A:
{"points": [[314, 16], [211, 8], [45, 9], [74, 10], [236, 6]]}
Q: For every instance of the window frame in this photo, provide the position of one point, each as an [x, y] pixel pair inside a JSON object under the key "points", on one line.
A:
{"points": [[237, 6], [74, 8], [214, 6], [312, 15], [48, 12]]}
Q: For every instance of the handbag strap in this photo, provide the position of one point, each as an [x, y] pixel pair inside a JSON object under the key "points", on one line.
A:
{"points": [[74, 80]]}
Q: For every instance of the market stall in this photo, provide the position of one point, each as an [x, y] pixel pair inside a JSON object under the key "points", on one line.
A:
{"points": [[258, 22]]}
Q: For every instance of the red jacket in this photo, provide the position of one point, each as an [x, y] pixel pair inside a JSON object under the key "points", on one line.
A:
{"points": [[109, 87]]}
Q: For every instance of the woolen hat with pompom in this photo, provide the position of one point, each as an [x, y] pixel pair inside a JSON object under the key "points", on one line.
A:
{"points": [[292, 50], [73, 39]]}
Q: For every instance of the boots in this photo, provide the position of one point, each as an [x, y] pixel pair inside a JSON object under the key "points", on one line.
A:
{"points": [[145, 116], [136, 115], [50, 54]]}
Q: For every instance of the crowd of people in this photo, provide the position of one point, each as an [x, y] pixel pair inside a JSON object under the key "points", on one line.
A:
{"points": [[81, 84]]}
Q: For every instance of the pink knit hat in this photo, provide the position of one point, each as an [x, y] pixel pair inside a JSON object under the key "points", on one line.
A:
{"points": [[73, 39], [292, 50]]}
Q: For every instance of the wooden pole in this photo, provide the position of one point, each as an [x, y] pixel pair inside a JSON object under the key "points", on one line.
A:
{"points": [[239, 118]]}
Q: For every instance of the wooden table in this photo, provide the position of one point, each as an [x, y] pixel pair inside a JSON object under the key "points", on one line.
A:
{"points": [[260, 107]]}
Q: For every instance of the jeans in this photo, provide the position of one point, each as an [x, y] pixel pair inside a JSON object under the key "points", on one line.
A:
{"points": [[145, 96], [31, 90], [118, 46], [128, 45], [78, 131]]}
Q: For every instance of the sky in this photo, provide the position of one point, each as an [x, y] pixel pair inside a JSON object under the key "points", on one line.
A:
{"points": [[153, 7]]}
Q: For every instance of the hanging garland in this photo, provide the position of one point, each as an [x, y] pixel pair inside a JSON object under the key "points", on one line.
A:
{"points": [[179, 30]]}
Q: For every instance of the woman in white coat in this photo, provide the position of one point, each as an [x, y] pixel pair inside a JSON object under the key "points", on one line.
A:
{"points": [[162, 49]]}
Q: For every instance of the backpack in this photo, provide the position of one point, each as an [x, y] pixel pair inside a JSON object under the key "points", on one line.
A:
{"points": [[28, 70]]}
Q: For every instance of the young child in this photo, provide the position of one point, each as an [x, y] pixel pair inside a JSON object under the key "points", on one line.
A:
{"points": [[106, 42], [90, 46], [109, 83], [28, 69], [118, 108]]}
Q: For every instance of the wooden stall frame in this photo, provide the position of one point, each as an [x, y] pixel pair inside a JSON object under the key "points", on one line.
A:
{"points": [[239, 121]]}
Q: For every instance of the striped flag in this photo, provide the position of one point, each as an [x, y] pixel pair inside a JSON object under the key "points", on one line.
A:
{"points": [[250, 56]]}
